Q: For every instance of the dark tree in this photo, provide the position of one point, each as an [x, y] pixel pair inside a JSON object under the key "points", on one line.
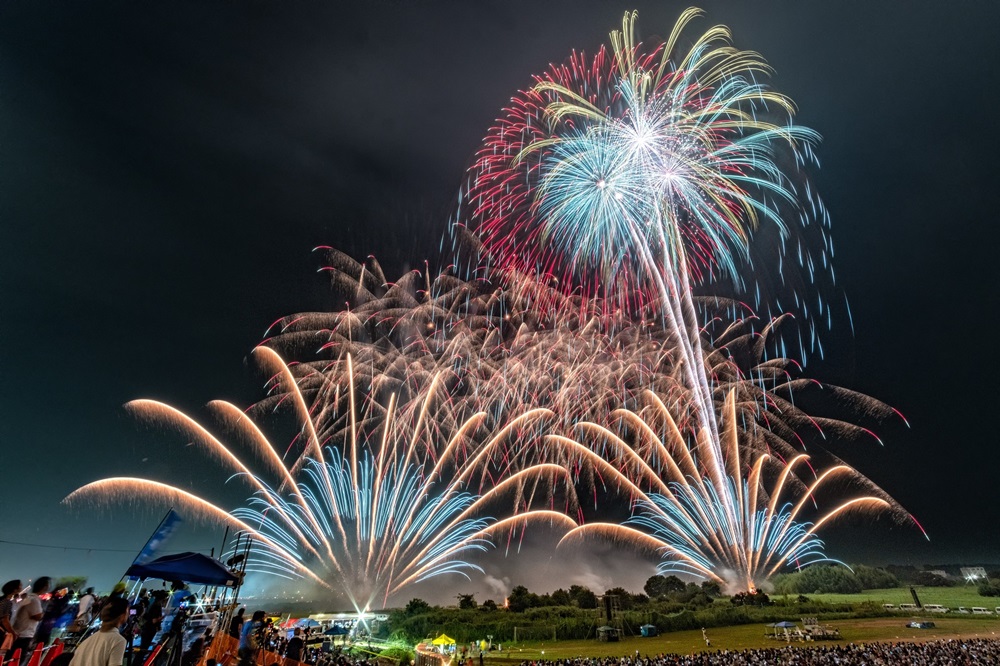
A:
{"points": [[519, 599], [755, 598], [874, 579], [624, 597], [467, 601], [583, 596], [655, 587], [711, 588], [561, 598], [416, 607]]}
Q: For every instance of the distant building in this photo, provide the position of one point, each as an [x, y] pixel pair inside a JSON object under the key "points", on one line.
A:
{"points": [[972, 574]]}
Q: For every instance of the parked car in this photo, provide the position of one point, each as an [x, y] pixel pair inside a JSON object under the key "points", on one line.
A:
{"points": [[935, 608], [963, 610], [979, 610], [889, 607], [907, 607]]}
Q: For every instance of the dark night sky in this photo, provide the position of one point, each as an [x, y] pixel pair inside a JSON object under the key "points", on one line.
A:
{"points": [[165, 170]]}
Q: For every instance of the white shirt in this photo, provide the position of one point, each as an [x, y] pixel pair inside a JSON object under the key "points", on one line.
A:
{"points": [[86, 601], [24, 626], [104, 648]]}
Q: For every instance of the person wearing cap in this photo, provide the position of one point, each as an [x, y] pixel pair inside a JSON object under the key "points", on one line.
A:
{"points": [[118, 591], [105, 647]]}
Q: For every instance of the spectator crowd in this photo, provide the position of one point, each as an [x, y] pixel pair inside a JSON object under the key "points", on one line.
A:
{"points": [[953, 652], [33, 615]]}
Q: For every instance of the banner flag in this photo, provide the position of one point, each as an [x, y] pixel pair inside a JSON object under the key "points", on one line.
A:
{"points": [[167, 527]]}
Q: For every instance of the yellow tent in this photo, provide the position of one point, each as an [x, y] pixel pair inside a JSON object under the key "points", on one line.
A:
{"points": [[443, 640]]}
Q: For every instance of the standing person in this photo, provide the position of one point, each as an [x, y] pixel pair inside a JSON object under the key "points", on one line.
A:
{"points": [[85, 605], [7, 633], [250, 638], [151, 620], [178, 594], [55, 609], [236, 624], [106, 647], [295, 645], [27, 615], [84, 611], [141, 603]]}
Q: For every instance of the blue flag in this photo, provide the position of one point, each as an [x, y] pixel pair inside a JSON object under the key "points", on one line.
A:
{"points": [[167, 527]]}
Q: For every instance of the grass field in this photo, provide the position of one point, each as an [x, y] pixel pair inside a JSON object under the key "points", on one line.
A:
{"points": [[752, 636], [952, 597]]}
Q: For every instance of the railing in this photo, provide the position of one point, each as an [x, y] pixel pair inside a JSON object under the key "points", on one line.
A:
{"points": [[225, 650]]}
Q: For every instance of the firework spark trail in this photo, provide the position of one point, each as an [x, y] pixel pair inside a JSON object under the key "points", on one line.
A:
{"points": [[685, 518], [597, 397], [389, 503], [567, 360], [504, 349]]}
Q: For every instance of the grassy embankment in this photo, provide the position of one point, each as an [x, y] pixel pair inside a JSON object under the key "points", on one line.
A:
{"points": [[738, 637], [952, 597], [752, 636]]}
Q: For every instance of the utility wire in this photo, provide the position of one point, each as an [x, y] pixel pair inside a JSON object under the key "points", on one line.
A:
{"points": [[101, 550]]}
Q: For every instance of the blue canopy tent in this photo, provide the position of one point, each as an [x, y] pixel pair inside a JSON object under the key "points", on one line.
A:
{"points": [[188, 567], [336, 630]]}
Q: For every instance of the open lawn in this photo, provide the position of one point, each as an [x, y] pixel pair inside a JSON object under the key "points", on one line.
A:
{"points": [[752, 636], [952, 597]]}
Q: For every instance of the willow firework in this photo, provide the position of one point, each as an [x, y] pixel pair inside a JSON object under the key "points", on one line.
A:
{"points": [[523, 344], [386, 503], [737, 528]]}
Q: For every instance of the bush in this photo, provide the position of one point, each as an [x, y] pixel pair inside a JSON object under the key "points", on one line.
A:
{"points": [[755, 598], [401, 655], [929, 579], [836, 579], [874, 579], [989, 589]]}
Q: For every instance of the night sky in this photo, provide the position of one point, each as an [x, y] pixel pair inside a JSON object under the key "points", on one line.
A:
{"points": [[166, 170]]}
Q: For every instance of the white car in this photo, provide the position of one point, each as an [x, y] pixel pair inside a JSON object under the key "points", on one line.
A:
{"points": [[935, 608], [963, 610], [979, 610]]}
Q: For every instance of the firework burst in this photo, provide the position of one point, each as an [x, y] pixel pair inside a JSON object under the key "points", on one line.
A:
{"points": [[634, 171], [739, 527], [387, 502], [522, 344], [439, 415]]}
